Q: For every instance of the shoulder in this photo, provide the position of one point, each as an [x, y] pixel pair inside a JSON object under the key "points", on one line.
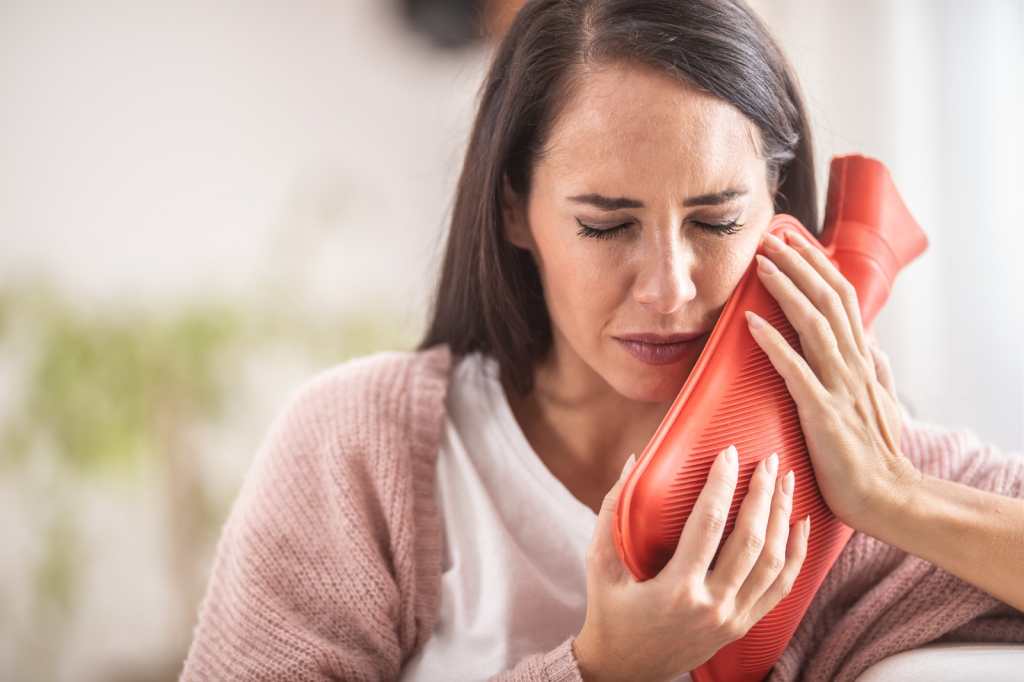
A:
{"points": [[361, 399], [370, 418], [386, 379]]}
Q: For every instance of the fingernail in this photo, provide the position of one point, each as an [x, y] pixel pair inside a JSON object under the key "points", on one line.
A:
{"points": [[773, 463], [731, 456], [628, 465], [765, 265], [755, 321], [772, 243], [787, 483], [807, 525]]}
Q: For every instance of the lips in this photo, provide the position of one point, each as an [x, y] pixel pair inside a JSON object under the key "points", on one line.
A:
{"points": [[649, 337], [661, 353]]}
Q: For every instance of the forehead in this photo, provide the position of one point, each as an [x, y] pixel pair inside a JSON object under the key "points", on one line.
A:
{"points": [[632, 120]]}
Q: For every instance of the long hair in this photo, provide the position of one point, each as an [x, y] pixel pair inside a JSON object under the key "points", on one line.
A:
{"points": [[489, 296]]}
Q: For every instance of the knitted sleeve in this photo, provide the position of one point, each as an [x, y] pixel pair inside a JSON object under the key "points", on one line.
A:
{"points": [[557, 665], [302, 586]]}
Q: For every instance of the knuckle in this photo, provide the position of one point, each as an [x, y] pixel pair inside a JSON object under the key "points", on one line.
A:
{"points": [[712, 521], [753, 543], [684, 597], [735, 629], [829, 299], [815, 325], [721, 616], [848, 294], [774, 562]]}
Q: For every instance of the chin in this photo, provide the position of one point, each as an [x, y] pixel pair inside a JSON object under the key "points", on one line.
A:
{"points": [[652, 384]]}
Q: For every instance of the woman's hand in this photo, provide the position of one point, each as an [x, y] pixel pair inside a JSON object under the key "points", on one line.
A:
{"points": [[843, 389], [672, 623]]}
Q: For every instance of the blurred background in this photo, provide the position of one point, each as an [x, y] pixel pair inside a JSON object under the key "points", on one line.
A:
{"points": [[202, 204]]}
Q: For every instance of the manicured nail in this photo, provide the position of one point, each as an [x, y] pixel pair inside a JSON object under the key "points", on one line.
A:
{"points": [[773, 463], [731, 456], [807, 525], [787, 483], [754, 320], [628, 465], [765, 265]]}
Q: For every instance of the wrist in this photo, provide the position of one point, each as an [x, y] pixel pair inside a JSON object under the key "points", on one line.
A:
{"points": [[596, 664], [894, 498]]}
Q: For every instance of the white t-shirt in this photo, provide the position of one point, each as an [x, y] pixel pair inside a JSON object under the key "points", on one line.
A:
{"points": [[513, 579]]}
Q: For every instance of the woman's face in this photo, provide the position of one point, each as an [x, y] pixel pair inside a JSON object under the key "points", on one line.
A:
{"points": [[660, 164]]}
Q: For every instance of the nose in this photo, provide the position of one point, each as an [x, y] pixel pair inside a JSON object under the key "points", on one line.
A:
{"points": [[664, 282]]}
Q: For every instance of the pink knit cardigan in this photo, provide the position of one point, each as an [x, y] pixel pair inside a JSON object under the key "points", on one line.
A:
{"points": [[328, 566]]}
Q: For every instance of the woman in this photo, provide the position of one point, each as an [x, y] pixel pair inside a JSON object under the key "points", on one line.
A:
{"points": [[445, 513]]}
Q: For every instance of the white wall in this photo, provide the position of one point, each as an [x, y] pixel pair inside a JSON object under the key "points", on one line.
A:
{"points": [[161, 150]]}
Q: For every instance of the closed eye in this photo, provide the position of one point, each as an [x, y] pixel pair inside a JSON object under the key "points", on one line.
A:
{"points": [[731, 227], [723, 229], [603, 233]]}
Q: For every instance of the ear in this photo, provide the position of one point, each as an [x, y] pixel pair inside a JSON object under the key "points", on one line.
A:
{"points": [[513, 212]]}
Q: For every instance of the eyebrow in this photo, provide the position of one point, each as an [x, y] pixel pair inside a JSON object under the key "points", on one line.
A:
{"points": [[613, 203]]}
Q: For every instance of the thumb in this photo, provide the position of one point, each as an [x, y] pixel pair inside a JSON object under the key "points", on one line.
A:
{"points": [[602, 545]]}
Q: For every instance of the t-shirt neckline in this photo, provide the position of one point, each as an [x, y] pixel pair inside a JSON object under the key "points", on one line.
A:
{"points": [[583, 516]]}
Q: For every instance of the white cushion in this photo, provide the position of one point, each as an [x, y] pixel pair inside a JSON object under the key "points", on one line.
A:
{"points": [[951, 663]]}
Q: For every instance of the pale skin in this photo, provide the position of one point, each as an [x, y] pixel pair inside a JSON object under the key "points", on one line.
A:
{"points": [[629, 131]]}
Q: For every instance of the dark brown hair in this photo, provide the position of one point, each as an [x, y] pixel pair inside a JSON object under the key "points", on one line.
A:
{"points": [[489, 296]]}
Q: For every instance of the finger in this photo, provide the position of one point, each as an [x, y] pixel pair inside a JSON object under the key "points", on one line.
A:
{"points": [[824, 292], [818, 339], [602, 552], [801, 381], [773, 556], [837, 280], [796, 552], [747, 539], [703, 529]]}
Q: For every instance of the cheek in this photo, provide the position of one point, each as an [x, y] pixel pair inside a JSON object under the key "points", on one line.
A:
{"points": [[722, 272], [583, 282]]}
